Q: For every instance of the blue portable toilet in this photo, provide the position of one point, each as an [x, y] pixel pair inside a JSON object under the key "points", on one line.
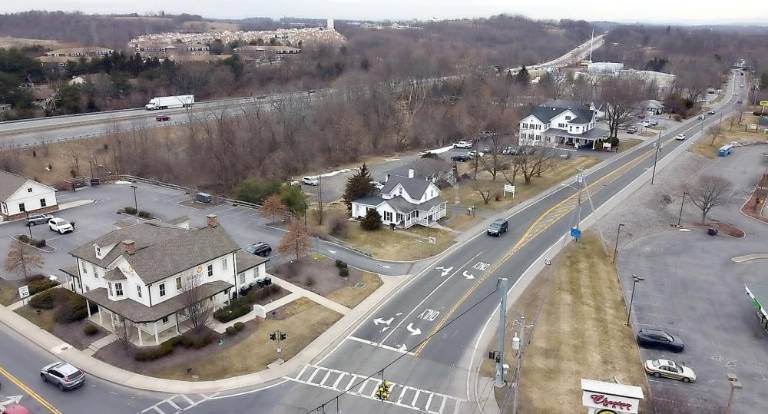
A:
{"points": [[725, 150]]}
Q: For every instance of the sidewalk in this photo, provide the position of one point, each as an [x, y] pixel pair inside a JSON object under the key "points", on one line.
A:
{"points": [[320, 346]]}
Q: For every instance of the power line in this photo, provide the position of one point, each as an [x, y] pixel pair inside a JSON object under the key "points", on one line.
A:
{"points": [[320, 408]]}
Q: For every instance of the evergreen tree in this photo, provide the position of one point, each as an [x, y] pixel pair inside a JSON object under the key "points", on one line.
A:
{"points": [[523, 77], [358, 186], [372, 220]]}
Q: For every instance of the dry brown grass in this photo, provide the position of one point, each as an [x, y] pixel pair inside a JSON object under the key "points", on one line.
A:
{"points": [[736, 133], [303, 321], [580, 333], [561, 170], [7, 42], [8, 292], [44, 318], [351, 296]]}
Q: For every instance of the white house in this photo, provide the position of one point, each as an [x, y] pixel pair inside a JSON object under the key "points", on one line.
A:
{"points": [[560, 123], [144, 277], [21, 195], [404, 201]]}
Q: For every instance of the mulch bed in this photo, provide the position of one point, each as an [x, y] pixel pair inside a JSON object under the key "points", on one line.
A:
{"points": [[72, 333], [724, 228], [317, 274], [749, 208]]}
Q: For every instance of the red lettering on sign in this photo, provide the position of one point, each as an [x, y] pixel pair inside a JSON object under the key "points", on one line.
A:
{"points": [[605, 402]]}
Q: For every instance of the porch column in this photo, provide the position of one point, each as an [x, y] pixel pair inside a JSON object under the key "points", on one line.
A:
{"points": [[88, 308], [157, 337], [112, 319], [176, 316], [100, 312], [138, 331]]}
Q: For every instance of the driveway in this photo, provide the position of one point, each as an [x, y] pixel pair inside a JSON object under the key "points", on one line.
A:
{"points": [[694, 290], [244, 225]]}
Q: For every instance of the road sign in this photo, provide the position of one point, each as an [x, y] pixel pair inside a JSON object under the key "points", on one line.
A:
{"points": [[508, 188], [575, 233], [24, 292]]}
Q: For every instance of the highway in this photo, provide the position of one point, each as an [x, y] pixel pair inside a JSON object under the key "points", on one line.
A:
{"points": [[421, 339]]}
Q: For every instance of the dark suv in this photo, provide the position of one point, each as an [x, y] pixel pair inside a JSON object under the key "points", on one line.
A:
{"points": [[660, 339], [259, 249], [38, 219], [498, 227]]}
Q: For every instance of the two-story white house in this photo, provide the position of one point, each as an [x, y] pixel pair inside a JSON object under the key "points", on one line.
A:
{"points": [[404, 201], [560, 123], [21, 195], [144, 277]]}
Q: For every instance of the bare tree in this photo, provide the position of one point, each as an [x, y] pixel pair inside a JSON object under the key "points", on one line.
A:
{"points": [[619, 98], [714, 131], [274, 208], [484, 189], [296, 242], [709, 191], [22, 259], [197, 307], [531, 161]]}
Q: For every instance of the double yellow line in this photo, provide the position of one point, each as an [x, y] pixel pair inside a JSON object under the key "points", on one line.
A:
{"points": [[533, 230], [29, 391]]}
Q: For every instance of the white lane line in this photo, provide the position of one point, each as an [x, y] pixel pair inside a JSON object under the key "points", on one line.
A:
{"points": [[415, 397], [374, 344], [325, 378], [302, 371], [415, 308]]}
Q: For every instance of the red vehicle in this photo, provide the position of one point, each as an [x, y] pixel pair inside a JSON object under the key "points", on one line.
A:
{"points": [[14, 409], [161, 118]]}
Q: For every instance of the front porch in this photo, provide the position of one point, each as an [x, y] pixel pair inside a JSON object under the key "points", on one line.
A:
{"points": [[140, 334], [421, 217]]}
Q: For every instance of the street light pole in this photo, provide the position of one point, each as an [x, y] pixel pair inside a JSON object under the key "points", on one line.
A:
{"points": [[616, 246], [735, 385], [682, 202], [503, 287], [656, 157], [635, 280]]}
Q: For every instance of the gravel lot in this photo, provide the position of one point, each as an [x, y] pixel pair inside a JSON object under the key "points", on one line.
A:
{"points": [[692, 288]]}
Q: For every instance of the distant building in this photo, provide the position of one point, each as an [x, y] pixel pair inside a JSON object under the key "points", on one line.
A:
{"points": [[330, 25], [605, 67], [21, 195], [81, 52], [558, 123], [652, 106]]}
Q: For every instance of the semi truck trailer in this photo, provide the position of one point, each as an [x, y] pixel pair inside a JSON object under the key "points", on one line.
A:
{"points": [[170, 102]]}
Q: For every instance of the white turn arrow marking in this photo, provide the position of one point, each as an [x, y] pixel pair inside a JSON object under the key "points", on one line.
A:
{"points": [[444, 270], [379, 321], [412, 330], [402, 348], [16, 399], [469, 276], [332, 251]]}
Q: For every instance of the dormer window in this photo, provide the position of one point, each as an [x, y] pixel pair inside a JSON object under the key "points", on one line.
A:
{"points": [[29, 190], [97, 249], [118, 289], [567, 118]]}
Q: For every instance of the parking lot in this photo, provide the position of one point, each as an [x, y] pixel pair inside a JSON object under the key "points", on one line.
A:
{"points": [[692, 289]]}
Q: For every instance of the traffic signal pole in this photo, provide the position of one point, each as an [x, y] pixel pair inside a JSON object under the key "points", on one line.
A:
{"points": [[503, 286]]}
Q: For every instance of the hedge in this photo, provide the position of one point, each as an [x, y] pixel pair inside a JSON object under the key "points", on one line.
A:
{"points": [[235, 310], [188, 340], [40, 283], [70, 307], [90, 329], [130, 210], [44, 300]]}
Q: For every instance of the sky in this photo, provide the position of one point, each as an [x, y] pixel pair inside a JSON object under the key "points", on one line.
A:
{"points": [[646, 11]]}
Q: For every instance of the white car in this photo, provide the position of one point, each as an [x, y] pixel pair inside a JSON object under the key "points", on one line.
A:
{"points": [[59, 225], [463, 144], [680, 137], [311, 181], [669, 369], [377, 184]]}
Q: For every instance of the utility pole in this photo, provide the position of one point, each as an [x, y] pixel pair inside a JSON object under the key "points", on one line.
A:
{"points": [[656, 156], [320, 199], [616, 246], [635, 280], [502, 287], [735, 385], [580, 179], [519, 344], [682, 202]]}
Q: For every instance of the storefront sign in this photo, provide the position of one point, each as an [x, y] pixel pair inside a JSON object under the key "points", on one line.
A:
{"points": [[613, 403], [610, 398]]}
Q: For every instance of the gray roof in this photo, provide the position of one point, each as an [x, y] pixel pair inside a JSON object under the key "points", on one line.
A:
{"points": [[546, 112], [115, 274], [404, 206], [9, 183], [245, 261], [370, 201], [422, 167], [415, 187], [137, 312], [161, 251]]}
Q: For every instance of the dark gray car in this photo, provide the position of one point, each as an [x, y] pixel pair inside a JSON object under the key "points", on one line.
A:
{"points": [[498, 227], [62, 375], [659, 339], [38, 219]]}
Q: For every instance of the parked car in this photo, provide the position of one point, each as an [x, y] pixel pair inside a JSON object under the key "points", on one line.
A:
{"points": [[463, 144], [739, 102], [474, 154], [259, 249], [162, 118], [632, 129], [669, 369], [653, 122], [314, 181], [711, 112], [701, 117], [60, 225], [646, 124], [498, 227], [680, 137], [62, 375], [511, 151], [660, 339], [461, 158], [38, 219]]}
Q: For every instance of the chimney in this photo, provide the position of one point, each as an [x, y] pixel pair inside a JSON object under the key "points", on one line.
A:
{"points": [[213, 220], [129, 246], [411, 173]]}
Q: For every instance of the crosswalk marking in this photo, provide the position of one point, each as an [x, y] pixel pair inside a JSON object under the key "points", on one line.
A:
{"points": [[422, 400], [175, 404]]}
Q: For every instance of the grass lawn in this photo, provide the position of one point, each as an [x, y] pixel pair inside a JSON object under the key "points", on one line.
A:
{"points": [[8, 292], [460, 222], [708, 148], [561, 170], [302, 320], [579, 333], [627, 143], [44, 318], [351, 296]]}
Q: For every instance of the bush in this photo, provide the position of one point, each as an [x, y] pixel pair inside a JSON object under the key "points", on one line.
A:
{"points": [[257, 295], [38, 243], [341, 264], [310, 282], [372, 221], [70, 307], [231, 331], [196, 340], [40, 283], [338, 226], [154, 353], [344, 272], [44, 300], [234, 329], [252, 190], [130, 210], [236, 309], [239, 326], [145, 214], [23, 238], [90, 329]]}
